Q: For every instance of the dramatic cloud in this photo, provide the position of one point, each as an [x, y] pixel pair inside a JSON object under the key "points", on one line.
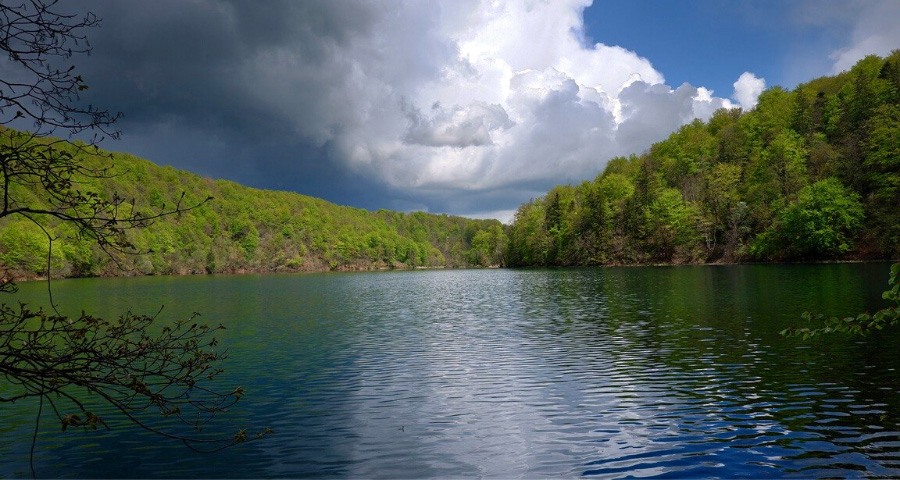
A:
{"points": [[469, 107], [456, 127]]}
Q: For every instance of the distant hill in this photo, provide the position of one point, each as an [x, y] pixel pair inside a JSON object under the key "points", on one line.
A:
{"points": [[243, 229], [808, 174]]}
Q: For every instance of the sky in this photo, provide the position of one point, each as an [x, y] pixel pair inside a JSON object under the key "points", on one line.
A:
{"points": [[466, 107]]}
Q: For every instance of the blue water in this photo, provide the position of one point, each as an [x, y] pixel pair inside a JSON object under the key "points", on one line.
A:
{"points": [[610, 372]]}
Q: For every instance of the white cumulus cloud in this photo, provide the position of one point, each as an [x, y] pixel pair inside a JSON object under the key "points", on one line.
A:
{"points": [[456, 127], [469, 106], [516, 99], [747, 89]]}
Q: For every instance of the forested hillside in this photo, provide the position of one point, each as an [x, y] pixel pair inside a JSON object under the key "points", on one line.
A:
{"points": [[808, 174], [237, 229]]}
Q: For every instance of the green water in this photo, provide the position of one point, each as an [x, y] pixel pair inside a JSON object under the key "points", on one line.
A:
{"points": [[652, 371]]}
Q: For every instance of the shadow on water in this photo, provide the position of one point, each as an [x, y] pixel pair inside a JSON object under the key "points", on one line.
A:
{"points": [[606, 372]]}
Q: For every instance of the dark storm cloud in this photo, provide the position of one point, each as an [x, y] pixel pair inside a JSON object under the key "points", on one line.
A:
{"points": [[446, 106], [194, 62], [258, 92], [195, 82]]}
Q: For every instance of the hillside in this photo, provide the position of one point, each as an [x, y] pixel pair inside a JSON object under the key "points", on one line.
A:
{"points": [[808, 174], [240, 229]]}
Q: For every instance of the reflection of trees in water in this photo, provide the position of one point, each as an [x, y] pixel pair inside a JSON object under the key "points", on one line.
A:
{"points": [[702, 345]]}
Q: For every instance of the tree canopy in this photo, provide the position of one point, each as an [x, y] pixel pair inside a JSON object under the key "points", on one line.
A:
{"points": [[862, 324], [242, 229], [132, 364], [808, 174]]}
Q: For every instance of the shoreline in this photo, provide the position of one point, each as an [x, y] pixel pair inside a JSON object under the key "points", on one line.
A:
{"points": [[349, 269]]}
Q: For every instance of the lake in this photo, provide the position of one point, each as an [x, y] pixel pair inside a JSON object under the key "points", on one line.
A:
{"points": [[606, 372]]}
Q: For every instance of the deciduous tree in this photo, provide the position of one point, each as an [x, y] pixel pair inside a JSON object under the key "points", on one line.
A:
{"points": [[862, 324], [131, 364]]}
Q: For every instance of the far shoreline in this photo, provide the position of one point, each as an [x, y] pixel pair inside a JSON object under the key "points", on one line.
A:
{"points": [[374, 269]]}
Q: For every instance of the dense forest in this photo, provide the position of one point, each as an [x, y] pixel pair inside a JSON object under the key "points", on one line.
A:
{"points": [[808, 174], [238, 229]]}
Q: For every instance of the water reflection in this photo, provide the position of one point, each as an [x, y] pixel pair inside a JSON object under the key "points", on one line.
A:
{"points": [[601, 372]]}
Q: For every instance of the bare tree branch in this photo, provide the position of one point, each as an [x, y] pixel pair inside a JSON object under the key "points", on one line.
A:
{"points": [[142, 370]]}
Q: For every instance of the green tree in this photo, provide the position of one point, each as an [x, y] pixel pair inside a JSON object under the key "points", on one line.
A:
{"points": [[786, 161], [882, 148], [488, 247], [771, 116], [553, 215], [862, 324], [822, 223], [57, 359], [882, 174], [825, 219], [25, 244], [671, 226], [752, 180], [722, 196], [528, 240], [594, 228]]}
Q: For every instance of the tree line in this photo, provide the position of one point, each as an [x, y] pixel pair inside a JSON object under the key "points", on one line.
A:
{"points": [[812, 173], [238, 229], [808, 174]]}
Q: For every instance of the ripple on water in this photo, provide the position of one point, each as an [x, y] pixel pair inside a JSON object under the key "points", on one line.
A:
{"points": [[595, 372]]}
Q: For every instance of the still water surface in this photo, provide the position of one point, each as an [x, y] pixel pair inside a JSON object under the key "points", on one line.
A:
{"points": [[611, 372]]}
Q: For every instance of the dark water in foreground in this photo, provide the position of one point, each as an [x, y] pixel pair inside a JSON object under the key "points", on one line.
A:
{"points": [[614, 372]]}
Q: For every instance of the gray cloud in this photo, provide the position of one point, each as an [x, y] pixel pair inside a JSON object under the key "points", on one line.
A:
{"points": [[456, 127], [228, 66], [653, 108], [446, 106]]}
